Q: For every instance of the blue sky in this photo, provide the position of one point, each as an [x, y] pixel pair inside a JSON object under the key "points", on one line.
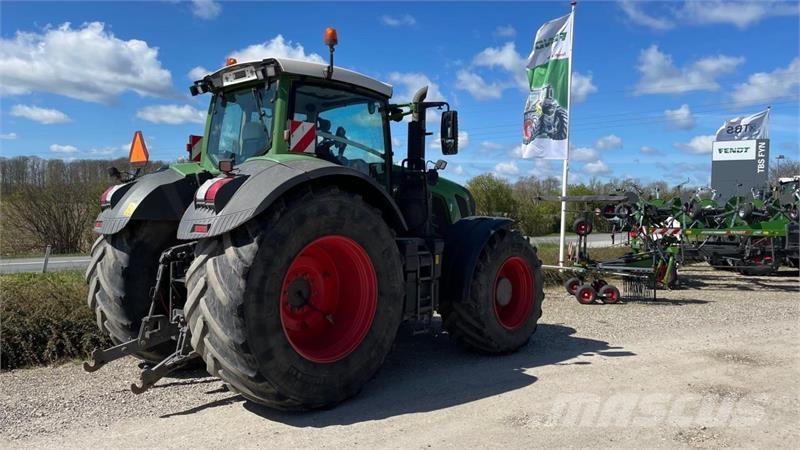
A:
{"points": [[654, 80]]}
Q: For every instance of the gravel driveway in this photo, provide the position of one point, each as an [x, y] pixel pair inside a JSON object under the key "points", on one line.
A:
{"points": [[714, 364]]}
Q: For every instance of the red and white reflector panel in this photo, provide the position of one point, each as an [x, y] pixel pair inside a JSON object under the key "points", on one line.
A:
{"points": [[207, 193], [302, 136], [105, 197], [194, 147]]}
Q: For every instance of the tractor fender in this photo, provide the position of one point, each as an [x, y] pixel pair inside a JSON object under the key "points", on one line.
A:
{"points": [[260, 182], [465, 240], [161, 195]]}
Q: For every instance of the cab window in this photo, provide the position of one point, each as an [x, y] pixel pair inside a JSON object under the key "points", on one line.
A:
{"points": [[349, 126]]}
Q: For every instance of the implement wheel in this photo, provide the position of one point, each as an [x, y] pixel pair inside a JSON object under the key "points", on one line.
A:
{"points": [[122, 271], [572, 285], [504, 299], [609, 294], [586, 294], [297, 309]]}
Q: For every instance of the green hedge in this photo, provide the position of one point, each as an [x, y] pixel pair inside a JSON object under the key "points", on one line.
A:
{"points": [[44, 319]]}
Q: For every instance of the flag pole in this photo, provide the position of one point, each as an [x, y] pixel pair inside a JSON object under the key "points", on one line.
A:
{"points": [[565, 169]]}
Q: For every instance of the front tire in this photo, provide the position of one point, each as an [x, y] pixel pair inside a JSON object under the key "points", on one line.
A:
{"points": [[504, 300], [298, 309]]}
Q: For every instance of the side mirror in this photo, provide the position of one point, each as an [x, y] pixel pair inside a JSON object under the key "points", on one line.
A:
{"points": [[449, 132]]}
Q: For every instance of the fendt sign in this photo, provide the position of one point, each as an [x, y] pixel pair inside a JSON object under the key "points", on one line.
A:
{"points": [[738, 166]]}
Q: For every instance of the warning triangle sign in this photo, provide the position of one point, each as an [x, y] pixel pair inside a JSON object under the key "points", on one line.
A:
{"points": [[138, 155]]}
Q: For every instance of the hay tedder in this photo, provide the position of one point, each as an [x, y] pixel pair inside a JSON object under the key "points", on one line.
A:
{"points": [[753, 235], [288, 249]]}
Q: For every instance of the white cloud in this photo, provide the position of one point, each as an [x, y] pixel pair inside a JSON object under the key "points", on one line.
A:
{"points": [[104, 151], [763, 87], [458, 170], [647, 150], [639, 17], [477, 86], [710, 12], [506, 31], [698, 145], [506, 168], [488, 146], [583, 154], [56, 148], [206, 9], [739, 14], [41, 115], [8, 136], [405, 20], [505, 57], [660, 76], [197, 73], [411, 82], [596, 168], [277, 47], [171, 114], [87, 63], [582, 86], [610, 142], [681, 118]]}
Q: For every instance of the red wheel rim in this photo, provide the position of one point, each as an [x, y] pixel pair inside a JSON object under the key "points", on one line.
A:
{"points": [[328, 299], [585, 295], [517, 308], [611, 295]]}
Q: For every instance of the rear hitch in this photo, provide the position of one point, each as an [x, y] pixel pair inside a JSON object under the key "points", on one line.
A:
{"points": [[156, 329]]}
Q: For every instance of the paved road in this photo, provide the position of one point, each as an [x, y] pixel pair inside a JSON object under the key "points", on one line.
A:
{"points": [[16, 265], [55, 263]]}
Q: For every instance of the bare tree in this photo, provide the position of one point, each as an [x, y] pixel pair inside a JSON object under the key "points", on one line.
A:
{"points": [[58, 215]]}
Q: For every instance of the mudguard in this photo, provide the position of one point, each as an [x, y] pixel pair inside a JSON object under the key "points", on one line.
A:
{"points": [[162, 195], [264, 181], [465, 240]]}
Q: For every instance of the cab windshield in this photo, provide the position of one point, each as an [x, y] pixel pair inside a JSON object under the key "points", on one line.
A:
{"points": [[241, 124]]}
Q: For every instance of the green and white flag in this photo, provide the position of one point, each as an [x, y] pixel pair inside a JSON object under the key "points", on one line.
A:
{"points": [[546, 118]]}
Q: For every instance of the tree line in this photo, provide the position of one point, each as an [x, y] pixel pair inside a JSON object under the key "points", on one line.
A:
{"points": [[51, 202], [54, 202]]}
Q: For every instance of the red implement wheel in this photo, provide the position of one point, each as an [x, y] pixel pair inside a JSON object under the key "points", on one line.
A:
{"points": [[582, 227], [586, 294], [572, 285], [328, 299], [609, 294], [513, 293]]}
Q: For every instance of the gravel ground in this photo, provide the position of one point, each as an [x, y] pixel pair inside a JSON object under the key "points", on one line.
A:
{"points": [[714, 364]]}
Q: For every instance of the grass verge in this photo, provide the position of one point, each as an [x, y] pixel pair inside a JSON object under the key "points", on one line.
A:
{"points": [[44, 319]]}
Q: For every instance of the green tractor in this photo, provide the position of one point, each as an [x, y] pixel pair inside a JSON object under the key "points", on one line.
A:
{"points": [[289, 249]]}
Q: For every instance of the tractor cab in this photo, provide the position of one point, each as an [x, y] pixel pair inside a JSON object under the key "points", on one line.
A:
{"points": [[284, 110]]}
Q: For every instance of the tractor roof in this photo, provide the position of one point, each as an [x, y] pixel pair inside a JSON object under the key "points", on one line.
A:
{"points": [[317, 70]]}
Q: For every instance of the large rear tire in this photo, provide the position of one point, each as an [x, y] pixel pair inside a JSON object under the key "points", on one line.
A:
{"points": [[505, 297], [297, 309], [122, 270]]}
